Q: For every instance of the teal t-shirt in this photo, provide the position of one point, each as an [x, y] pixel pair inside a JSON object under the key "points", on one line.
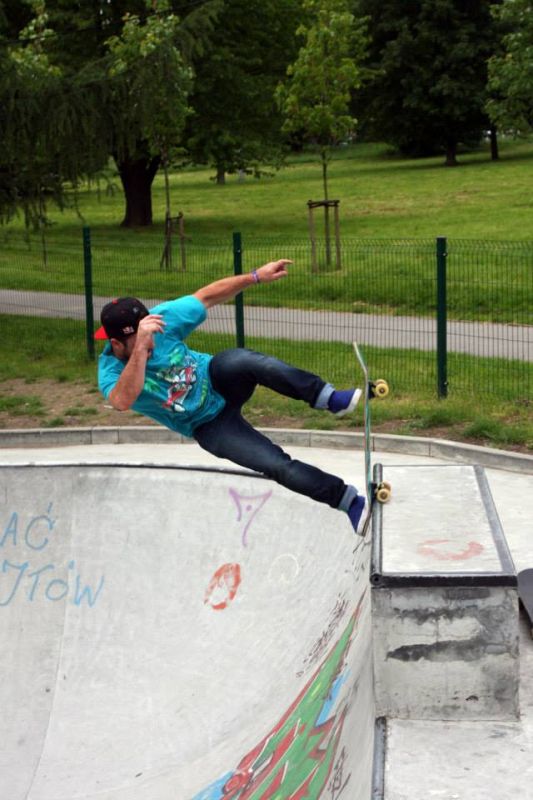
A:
{"points": [[177, 389]]}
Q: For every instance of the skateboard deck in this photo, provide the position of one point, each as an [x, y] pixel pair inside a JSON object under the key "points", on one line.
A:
{"points": [[379, 389], [525, 593]]}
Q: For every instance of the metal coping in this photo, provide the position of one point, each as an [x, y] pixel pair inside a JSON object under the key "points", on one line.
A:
{"points": [[498, 535], [378, 579], [380, 755], [130, 465], [506, 577], [376, 556]]}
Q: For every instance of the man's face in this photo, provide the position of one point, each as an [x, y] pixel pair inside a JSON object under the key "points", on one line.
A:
{"points": [[123, 350]]}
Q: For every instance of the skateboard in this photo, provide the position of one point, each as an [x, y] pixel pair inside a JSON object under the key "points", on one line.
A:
{"points": [[372, 389], [525, 593]]}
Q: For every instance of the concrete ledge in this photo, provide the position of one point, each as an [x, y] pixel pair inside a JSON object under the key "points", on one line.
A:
{"points": [[491, 457], [148, 435], [411, 445], [105, 435], [46, 437], [388, 443]]}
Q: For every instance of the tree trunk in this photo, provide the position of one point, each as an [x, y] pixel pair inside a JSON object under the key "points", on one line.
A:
{"points": [[494, 153], [221, 175], [451, 153], [137, 176]]}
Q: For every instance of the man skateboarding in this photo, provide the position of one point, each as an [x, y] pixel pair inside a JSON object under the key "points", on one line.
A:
{"points": [[148, 367]]}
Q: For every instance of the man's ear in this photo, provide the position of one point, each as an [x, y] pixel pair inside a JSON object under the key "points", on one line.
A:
{"points": [[117, 346]]}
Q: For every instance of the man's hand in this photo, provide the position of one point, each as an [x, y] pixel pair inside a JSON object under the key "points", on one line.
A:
{"points": [[131, 382], [149, 325], [273, 271]]}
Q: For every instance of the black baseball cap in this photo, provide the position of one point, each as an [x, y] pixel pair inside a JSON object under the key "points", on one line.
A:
{"points": [[121, 318]]}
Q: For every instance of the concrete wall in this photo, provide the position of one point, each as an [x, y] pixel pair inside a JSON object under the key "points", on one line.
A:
{"points": [[180, 634], [446, 652], [445, 603]]}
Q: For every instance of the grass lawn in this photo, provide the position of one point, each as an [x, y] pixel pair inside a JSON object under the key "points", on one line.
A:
{"points": [[385, 200], [382, 196], [48, 380], [391, 211]]}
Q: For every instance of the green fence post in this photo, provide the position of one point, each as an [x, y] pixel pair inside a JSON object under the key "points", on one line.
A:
{"points": [[88, 271], [442, 347], [239, 302]]}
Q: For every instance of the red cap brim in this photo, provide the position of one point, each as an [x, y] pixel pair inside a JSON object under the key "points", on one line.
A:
{"points": [[100, 333]]}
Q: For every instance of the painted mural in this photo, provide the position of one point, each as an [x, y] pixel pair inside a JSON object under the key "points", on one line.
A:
{"points": [[300, 758]]}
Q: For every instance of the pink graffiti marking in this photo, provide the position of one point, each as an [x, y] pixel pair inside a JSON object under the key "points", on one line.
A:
{"points": [[431, 549], [248, 507], [223, 586]]}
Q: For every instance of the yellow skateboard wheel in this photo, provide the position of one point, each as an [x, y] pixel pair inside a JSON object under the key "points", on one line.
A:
{"points": [[383, 492], [381, 388]]}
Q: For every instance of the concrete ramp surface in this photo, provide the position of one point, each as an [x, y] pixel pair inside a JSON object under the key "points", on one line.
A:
{"points": [[180, 634]]}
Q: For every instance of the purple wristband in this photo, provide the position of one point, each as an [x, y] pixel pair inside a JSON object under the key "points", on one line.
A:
{"points": [[255, 276]]}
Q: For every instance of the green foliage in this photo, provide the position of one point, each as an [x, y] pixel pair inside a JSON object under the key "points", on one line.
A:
{"points": [[82, 82], [235, 124], [500, 433], [511, 72], [391, 198], [429, 64], [148, 83], [315, 99], [80, 411], [31, 139], [21, 405], [46, 349]]}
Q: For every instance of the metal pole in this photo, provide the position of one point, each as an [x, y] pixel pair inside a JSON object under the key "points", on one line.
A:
{"points": [[442, 348], [181, 222], [88, 275], [337, 235], [314, 263], [239, 302]]}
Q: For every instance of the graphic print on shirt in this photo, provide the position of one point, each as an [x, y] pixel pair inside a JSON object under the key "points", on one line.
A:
{"points": [[180, 377]]}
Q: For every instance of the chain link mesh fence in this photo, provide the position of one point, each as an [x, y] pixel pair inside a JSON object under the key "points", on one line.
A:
{"points": [[379, 293]]}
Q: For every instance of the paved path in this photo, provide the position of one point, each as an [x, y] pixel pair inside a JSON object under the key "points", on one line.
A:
{"points": [[419, 333]]}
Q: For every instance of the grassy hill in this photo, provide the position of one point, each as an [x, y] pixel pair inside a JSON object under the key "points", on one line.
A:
{"points": [[382, 196]]}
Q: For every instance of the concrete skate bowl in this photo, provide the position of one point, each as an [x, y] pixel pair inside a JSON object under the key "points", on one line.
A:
{"points": [[180, 634]]}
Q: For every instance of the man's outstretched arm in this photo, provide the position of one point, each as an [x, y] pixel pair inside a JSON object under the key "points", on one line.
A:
{"points": [[227, 288]]}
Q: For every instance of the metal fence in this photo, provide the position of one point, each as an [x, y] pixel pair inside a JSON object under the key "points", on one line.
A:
{"points": [[439, 315]]}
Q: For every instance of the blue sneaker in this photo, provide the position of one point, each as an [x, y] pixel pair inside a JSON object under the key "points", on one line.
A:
{"points": [[342, 402], [358, 513]]}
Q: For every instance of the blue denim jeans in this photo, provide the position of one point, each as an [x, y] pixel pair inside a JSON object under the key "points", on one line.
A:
{"points": [[235, 374]]}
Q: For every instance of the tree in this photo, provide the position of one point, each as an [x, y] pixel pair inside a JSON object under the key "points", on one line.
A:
{"points": [[315, 99], [35, 123], [234, 123], [148, 83], [511, 72], [116, 83], [133, 50], [429, 59]]}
